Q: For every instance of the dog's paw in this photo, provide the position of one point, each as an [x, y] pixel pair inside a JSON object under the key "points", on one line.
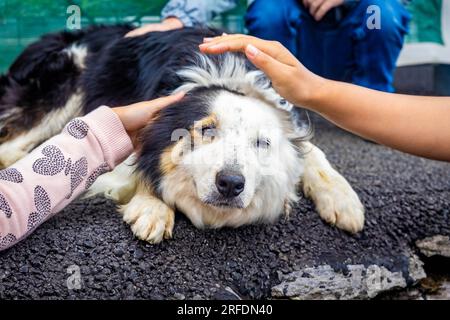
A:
{"points": [[337, 202], [151, 220]]}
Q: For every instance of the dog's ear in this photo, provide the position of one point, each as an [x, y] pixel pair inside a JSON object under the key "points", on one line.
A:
{"points": [[45, 57], [4, 82]]}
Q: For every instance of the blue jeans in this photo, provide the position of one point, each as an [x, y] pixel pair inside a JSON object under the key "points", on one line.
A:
{"points": [[343, 49]]}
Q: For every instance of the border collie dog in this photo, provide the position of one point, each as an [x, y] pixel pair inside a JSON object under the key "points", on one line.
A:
{"points": [[229, 153]]}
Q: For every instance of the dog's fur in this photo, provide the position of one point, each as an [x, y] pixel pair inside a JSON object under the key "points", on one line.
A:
{"points": [[230, 124]]}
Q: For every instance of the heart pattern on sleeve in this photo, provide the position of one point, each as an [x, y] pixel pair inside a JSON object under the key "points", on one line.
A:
{"points": [[7, 240], [77, 128], [43, 207], [103, 168], [54, 163], [5, 207], [11, 175], [77, 172]]}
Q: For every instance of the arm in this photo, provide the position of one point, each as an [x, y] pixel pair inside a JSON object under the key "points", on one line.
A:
{"points": [[186, 13], [54, 174], [196, 12], [413, 124]]}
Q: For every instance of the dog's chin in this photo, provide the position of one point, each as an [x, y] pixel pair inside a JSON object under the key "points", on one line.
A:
{"points": [[222, 203]]}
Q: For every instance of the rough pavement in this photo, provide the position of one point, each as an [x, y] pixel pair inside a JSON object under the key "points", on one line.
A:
{"points": [[406, 199]]}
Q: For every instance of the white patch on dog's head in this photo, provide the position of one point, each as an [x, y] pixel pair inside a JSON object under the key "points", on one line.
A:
{"points": [[250, 146], [232, 74], [247, 140]]}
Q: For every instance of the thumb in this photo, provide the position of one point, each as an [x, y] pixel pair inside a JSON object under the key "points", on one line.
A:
{"points": [[264, 62], [137, 115], [166, 101], [152, 106]]}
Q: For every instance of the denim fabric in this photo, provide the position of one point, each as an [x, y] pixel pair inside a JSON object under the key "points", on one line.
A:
{"points": [[196, 12], [340, 46]]}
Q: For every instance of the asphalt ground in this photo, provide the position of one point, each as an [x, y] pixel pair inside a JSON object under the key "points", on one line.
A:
{"points": [[406, 198]]}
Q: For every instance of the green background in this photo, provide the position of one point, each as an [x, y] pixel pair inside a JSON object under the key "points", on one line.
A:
{"points": [[23, 21], [426, 26]]}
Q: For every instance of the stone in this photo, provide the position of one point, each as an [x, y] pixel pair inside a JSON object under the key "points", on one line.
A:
{"points": [[437, 245], [360, 282]]}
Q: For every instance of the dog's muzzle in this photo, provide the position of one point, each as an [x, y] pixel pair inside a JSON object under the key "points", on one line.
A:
{"points": [[230, 184]]}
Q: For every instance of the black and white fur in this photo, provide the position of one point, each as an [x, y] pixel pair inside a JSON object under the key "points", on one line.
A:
{"points": [[227, 154]]}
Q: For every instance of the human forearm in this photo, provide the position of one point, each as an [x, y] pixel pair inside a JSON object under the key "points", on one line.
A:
{"points": [[55, 173], [413, 124]]}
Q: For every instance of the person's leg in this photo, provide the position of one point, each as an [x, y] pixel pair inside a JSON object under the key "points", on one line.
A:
{"points": [[274, 20], [345, 50], [324, 47], [376, 50]]}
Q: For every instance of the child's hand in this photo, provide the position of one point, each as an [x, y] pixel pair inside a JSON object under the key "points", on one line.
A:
{"points": [[319, 8], [136, 116], [166, 25], [289, 77]]}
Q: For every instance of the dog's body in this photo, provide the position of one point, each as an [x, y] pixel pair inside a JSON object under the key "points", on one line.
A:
{"points": [[228, 154]]}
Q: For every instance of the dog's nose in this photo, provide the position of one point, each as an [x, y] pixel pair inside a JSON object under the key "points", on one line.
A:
{"points": [[230, 184]]}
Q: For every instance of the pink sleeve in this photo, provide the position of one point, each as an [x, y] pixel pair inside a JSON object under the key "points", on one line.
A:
{"points": [[55, 173]]}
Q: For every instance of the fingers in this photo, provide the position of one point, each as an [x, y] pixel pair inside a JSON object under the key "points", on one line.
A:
{"points": [[322, 10], [206, 40], [166, 101], [166, 25], [239, 42], [319, 8], [136, 116], [226, 43], [315, 5], [142, 30], [264, 62], [155, 105]]}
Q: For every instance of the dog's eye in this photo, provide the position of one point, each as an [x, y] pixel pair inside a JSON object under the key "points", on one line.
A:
{"points": [[209, 131], [262, 143], [4, 132], [283, 102]]}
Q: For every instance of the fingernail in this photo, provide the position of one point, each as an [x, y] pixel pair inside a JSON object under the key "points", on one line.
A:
{"points": [[206, 40], [224, 34], [252, 51]]}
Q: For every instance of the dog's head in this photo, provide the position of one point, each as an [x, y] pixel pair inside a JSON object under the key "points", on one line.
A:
{"points": [[227, 154]]}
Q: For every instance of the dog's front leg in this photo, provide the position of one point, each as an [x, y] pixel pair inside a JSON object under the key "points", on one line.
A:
{"points": [[150, 218], [335, 200]]}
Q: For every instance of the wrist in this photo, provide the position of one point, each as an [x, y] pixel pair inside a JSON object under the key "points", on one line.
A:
{"points": [[310, 92], [313, 90]]}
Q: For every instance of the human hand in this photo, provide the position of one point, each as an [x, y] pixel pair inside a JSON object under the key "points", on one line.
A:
{"points": [[319, 8], [289, 77], [138, 115], [166, 25]]}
